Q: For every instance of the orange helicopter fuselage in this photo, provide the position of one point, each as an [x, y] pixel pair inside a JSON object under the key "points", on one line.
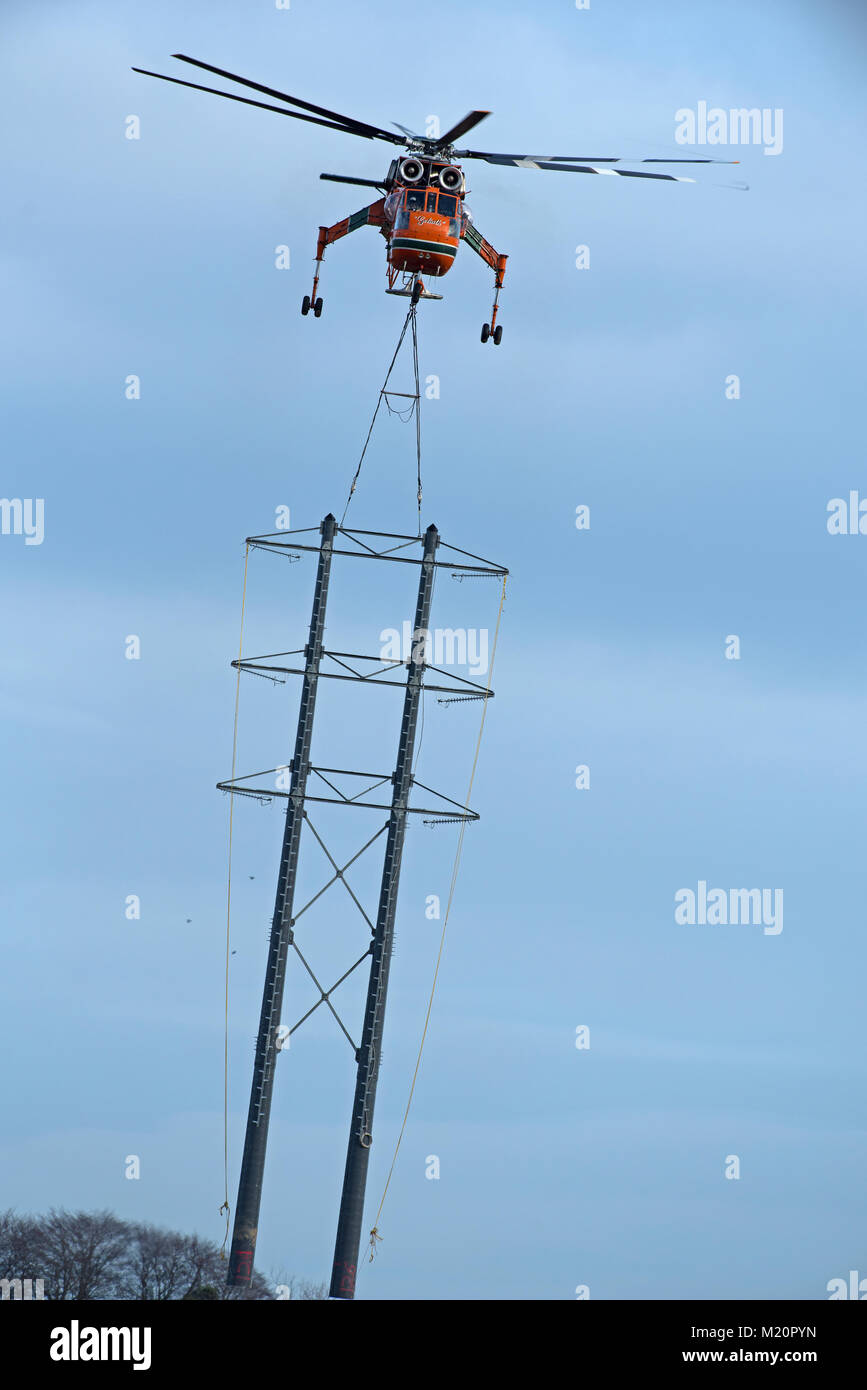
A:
{"points": [[424, 227]]}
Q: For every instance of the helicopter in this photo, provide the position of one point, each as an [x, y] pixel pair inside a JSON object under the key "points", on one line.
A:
{"points": [[421, 213]]}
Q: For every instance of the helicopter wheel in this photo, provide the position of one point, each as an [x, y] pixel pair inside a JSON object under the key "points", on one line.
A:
{"points": [[305, 304], [486, 332], [498, 334], [317, 309]]}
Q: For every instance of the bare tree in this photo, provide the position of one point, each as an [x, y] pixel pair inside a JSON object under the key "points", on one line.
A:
{"points": [[159, 1262], [163, 1264], [21, 1247], [94, 1255], [84, 1255]]}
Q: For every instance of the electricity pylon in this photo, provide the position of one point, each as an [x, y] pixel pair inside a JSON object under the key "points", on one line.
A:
{"points": [[272, 1035]]}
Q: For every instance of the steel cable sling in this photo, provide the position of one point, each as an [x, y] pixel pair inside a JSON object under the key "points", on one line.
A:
{"points": [[415, 407]]}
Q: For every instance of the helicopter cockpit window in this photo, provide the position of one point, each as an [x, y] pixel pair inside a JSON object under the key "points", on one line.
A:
{"points": [[431, 201], [448, 205], [414, 200]]}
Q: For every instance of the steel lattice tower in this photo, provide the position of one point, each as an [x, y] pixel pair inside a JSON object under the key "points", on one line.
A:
{"points": [[399, 807]]}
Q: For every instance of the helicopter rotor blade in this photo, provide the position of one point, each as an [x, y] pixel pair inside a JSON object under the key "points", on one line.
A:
{"points": [[373, 132], [558, 166], [470, 120], [247, 101], [590, 169], [531, 161]]}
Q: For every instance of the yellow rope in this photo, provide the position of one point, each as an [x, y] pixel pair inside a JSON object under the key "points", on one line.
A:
{"points": [[374, 1234], [225, 1207]]}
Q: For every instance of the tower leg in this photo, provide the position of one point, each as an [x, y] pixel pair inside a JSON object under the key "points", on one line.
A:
{"points": [[349, 1223], [253, 1163]]}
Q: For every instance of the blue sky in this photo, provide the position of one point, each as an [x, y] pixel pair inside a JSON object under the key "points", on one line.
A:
{"points": [[155, 257]]}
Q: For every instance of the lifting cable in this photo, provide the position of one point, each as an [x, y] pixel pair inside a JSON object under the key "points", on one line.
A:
{"points": [[225, 1207], [374, 1234], [404, 414]]}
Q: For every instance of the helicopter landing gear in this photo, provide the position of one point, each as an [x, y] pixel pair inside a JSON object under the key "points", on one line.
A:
{"points": [[493, 329], [497, 262], [326, 234]]}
